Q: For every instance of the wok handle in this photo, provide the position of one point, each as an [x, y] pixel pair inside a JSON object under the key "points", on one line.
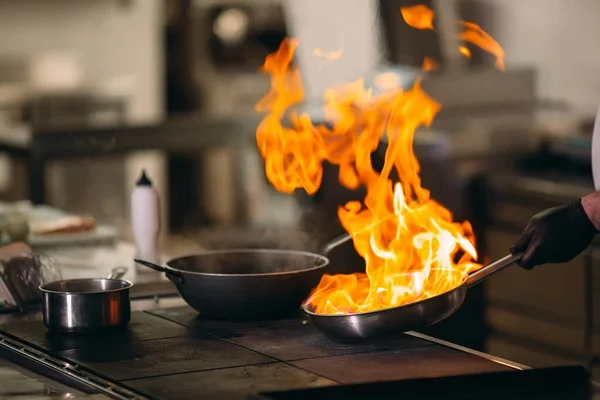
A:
{"points": [[346, 237], [169, 272], [335, 243], [492, 268], [151, 265]]}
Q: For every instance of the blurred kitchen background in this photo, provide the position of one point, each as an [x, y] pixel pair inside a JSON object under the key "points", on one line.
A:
{"points": [[94, 91]]}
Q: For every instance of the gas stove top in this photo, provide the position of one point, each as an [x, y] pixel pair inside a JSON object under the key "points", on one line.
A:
{"points": [[548, 383], [173, 354], [20, 383]]}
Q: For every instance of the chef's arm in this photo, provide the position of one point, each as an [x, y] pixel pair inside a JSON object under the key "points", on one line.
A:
{"points": [[559, 234]]}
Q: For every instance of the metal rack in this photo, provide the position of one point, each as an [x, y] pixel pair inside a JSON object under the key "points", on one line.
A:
{"points": [[70, 374]]}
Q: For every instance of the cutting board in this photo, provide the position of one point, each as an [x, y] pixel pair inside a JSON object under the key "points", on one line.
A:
{"points": [[37, 214]]}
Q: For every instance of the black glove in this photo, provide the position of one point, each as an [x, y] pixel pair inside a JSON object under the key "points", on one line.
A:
{"points": [[556, 235]]}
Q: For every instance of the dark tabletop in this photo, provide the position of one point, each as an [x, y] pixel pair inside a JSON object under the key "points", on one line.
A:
{"points": [[174, 354]]}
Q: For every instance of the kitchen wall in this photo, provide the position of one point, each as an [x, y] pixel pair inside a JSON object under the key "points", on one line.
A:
{"points": [[120, 47], [559, 38], [331, 25], [118, 42]]}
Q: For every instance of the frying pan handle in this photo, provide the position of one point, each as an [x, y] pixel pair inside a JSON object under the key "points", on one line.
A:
{"points": [[170, 273], [492, 268]]}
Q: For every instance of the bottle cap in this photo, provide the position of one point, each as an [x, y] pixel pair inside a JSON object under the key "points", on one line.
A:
{"points": [[144, 181]]}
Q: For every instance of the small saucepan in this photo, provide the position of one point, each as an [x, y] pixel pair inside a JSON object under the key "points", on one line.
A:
{"points": [[87, 305]]}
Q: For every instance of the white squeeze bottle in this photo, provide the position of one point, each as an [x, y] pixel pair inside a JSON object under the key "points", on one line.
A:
{"points": [[145, 221]]}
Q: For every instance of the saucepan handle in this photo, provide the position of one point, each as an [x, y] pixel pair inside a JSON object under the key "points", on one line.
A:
{"points": [[169, 272], [117, 273], [492, 268]]}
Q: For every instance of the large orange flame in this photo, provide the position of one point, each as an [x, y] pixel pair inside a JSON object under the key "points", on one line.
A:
{"points": [[411, 246]]}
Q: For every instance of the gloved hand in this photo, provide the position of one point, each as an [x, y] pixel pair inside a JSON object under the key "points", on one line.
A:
{"points": [[556, 235]]}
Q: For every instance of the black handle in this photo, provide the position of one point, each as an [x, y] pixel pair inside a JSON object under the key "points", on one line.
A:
{"points": [[151, 265], [171, 274]]}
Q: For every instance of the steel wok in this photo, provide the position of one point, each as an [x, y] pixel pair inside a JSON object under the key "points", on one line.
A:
{"points": [[242, 284], [406, 317]]}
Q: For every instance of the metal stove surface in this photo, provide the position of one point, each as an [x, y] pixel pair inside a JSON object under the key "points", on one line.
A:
{"points": [[173, 354], [19, 383], [571, 382]]}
